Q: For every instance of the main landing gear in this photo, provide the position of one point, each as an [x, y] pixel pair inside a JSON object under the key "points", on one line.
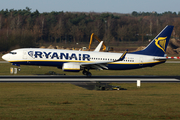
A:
{"points": [[87, 73]]}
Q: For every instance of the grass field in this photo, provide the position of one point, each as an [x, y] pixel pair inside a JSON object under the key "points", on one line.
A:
{"points": [[52, 101], [166, 69]]}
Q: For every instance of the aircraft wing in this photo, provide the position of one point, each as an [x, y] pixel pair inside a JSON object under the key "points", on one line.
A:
{"points": [[102, 65]]}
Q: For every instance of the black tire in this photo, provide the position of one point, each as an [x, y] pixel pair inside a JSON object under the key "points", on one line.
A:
{"points": [[88, 74], [84, 72]]}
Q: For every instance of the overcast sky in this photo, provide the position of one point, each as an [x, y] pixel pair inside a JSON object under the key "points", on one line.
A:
{"points": [[118, 6]]}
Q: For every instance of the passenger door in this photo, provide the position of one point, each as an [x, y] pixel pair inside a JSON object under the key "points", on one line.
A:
{"points": [[141, 61], [24, 54]]}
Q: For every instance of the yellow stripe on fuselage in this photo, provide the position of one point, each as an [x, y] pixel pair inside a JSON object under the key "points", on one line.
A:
{"points": [[71, 69]]}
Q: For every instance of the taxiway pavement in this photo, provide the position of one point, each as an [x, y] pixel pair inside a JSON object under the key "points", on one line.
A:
{"points": [[64, 78]]}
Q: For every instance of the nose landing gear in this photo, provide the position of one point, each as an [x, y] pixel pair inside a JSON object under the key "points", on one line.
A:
{"points": [[14, 70], [19, 69]]}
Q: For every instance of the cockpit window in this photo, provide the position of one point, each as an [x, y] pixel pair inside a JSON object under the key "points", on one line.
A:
{"points": [[13, 53]]}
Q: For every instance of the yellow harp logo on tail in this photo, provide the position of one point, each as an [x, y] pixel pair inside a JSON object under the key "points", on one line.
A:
{"points": [[161, 43]]}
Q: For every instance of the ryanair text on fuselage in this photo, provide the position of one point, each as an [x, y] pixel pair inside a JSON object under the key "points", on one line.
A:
{"points": [[55, 55]]}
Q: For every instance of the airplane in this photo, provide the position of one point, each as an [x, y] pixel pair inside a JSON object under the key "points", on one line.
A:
{"points": [[75, 61]]}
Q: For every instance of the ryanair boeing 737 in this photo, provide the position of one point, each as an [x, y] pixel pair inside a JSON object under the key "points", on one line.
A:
{"points": [[75, 61]]}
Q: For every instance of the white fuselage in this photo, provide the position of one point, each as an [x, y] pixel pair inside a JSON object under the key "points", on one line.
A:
{"points": [[56, 57]]}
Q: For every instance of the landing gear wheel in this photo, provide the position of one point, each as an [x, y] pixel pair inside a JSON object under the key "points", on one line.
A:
{"points": [[88, 74], [84, 72], [19, 69]]}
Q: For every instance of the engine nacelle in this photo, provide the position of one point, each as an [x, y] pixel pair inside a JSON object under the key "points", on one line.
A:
{"points": [[71, 67]]}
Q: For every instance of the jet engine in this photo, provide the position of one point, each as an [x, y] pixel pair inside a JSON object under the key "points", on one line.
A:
{"points": [[71, 67]]}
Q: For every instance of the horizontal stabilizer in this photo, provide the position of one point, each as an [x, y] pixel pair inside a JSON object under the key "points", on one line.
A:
{"points": [[165, 58], [160, 58]]}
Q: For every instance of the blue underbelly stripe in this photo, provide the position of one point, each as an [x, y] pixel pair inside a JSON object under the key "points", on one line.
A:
{"points": [[110, 66]]}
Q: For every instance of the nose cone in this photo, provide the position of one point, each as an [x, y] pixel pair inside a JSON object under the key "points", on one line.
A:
{"points": [[5, 57]]}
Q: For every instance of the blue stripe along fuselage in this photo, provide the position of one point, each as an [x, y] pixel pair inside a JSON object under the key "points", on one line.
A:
{"points": [[116, 66]]}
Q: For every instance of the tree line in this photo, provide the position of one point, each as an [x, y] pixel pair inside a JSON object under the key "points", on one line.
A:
{"points": [[23, 28]]}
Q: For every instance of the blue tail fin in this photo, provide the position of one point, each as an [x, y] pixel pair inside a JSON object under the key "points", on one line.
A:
{"points": [[158, 45]]}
